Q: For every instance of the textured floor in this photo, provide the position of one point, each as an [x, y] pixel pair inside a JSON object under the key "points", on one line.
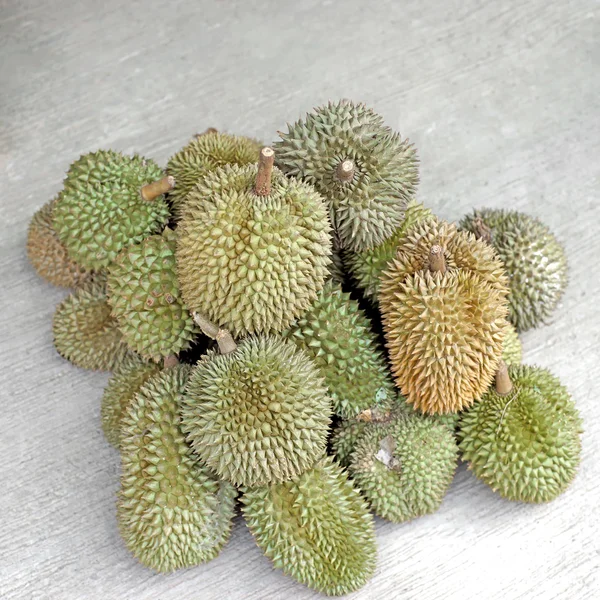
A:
{"points": [[502, 101]]}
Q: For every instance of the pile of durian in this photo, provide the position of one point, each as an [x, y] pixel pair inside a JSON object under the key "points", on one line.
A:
{"points": [[290, 328]]}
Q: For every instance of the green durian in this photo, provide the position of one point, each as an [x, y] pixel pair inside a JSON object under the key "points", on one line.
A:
{"points": [[443, 300], [127, 379], [366, 267], [109, 201], [84, 331], [257, 414], [337, 335], [344, 438], [207, 152], [405, 469], [365, 171], [252, 263], [144, 294], [316, 528], [512, 349], [47, 254], [534, 260], [523, 438], [172, 512]]}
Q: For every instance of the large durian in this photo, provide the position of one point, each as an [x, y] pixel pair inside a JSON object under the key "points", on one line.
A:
{"points": [[48, 255], [523, 438], [109, 201], [84, 331], [534, 260], [364, 170], [144, 294], [443, 302], [316, 528], [337, 335], [257, 414], [207, 152], [253, 250], [172, 512]]}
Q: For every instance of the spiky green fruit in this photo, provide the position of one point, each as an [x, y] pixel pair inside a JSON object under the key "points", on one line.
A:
{"points": [[84, 331], [129, 376], [512, 349], [317, 529], [366, 267], [344, 438], [405, 469], [207, 152], [524, 444], [258, 414], [444, 301], [365, 171], [101, 210], [144, 294], [534, 260], [172, 512], [337, 335], [252, 263]]}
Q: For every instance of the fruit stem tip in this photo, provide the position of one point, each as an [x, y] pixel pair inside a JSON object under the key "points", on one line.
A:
{"points": [[151, 191], [345, 171], [437, 262], [266, 158], [503, 383]]}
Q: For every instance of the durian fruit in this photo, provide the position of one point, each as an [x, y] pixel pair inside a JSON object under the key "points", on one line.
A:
{"points": [[172, 512], [365, 171], [129, 376], [344, 438], [253, 248], [405, 469], [366, 267], [534, 260], [109, 201], [443, 302], [47, 254], [84, 331], [512, 349], [207, 152], [316, 528], [144, 294], [257, 414], [523, 438], [336, 267], [337, 335]]}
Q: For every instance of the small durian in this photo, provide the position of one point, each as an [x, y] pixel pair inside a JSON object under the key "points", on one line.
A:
{"points": [[47, 254], [127, 379], [523, 438], [365, 171], [207, 152], [84, 331], [109, 203], [512, 349], [337, 335], [172, 512], [316, 528], [253, 247], [534, 259], [443, 300], [405, 469], [143, 292], [257, 414], [366, 267]]}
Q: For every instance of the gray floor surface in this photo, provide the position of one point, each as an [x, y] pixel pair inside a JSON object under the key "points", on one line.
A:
{"points": [[502, 100]]}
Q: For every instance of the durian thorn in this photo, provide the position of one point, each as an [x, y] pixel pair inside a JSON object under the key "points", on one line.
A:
{"points": [[504, 385], [345, 171], [225, 341], [266, 158], [170, 361], [437, 262], [481, 230], [151, 191], [206, 131]]}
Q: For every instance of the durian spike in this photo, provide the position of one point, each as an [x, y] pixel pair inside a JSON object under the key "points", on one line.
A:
{"points": [[266, 158], [437, 262], [170, 361], [206, 131], [345, 171], [223, 338], [153, 190], [503, 383], [481, 230]]}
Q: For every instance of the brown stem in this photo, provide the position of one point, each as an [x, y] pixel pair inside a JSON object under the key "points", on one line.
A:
{"points": [[223, 338], [503, 383], [345, 171], [151, 191], [225, 341], [437, 262], [209, 130], [266, 158], [481, 230], [170, 361]]}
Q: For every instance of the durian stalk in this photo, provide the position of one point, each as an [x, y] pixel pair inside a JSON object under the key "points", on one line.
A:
{"points": [[206, 131], [170, 361], [503, 383], [151, 191], [223, 338], [345, 171], [437, 262], [482, 230], [266, 158]]}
